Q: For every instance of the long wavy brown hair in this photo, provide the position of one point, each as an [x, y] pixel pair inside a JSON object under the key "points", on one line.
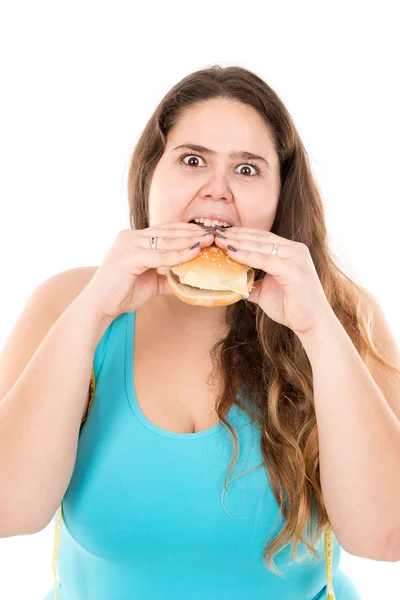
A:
{"points": [[263, 357]]}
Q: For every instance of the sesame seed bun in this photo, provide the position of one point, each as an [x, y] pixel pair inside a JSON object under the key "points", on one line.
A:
{"points": [[211, 266]]}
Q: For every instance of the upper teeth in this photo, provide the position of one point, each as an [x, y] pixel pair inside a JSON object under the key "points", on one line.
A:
{"points": [[211, 222]]}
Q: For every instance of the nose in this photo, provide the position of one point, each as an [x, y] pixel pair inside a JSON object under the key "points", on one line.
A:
{"points": [[217, 188]]}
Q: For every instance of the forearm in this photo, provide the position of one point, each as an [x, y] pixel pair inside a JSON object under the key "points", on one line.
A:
{"points": [[40, 420], [359, 444]]}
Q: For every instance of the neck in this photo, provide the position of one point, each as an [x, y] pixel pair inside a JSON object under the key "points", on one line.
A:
{"points": [[171, 314]]}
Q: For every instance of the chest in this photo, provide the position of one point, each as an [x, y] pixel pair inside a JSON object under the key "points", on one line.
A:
{"points": [[173, 384]]}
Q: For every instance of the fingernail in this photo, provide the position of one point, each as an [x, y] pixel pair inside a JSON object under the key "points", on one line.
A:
{"points": [[220, 236], [207, 233], [231, 248], [195, 246], [220, 227]]}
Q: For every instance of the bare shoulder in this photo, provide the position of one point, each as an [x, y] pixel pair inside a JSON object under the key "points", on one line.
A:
{"points": [[386, 343], [42, 309], [62, 288]]}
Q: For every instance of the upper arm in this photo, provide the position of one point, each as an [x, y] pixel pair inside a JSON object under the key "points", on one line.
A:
{"points": [[384, 341], [42, 309]]}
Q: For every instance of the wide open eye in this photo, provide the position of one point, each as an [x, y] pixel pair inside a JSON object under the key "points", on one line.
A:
{"points": [[247, 164], [184, 156]]}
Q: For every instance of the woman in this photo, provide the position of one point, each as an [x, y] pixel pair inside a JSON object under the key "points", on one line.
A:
{"points": [[209, 462], [149, 512]]}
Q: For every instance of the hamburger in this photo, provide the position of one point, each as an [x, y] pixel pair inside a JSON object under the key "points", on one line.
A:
{"points": [[213, 278]]}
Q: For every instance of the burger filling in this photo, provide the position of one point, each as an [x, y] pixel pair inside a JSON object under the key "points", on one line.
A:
{"points": [[237, 284]]}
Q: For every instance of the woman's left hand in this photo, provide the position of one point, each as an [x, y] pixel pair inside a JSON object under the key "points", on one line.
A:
{"points": [[291, 292]]}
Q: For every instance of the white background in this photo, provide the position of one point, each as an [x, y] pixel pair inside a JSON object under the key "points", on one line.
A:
{"points": [[79, 81]]}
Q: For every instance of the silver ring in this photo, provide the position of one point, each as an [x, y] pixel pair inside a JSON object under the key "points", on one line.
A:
{"points": [[274, 250], [153, 242]]}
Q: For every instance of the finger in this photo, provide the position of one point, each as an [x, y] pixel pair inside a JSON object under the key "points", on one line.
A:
{"points": [[172, 226], [281, 269], [176, 231], [254, 245], [164, 288], [177, 242], [152, 259], [237, 231], [254, 292]]}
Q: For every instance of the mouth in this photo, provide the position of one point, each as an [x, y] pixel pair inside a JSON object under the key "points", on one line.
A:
{"points": [[206, 223]]}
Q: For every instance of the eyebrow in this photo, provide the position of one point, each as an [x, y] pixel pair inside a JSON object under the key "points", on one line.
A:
{"points": [[241, 154]]}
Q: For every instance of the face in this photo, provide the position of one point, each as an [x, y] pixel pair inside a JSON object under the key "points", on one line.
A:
{"points": [[245, 191]]}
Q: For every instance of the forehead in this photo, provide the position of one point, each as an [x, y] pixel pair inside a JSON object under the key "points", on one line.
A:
{"points": [[223, 125]]}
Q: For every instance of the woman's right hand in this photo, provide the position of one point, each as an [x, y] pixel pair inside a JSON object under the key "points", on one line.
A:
{"points": [[127, 276]]}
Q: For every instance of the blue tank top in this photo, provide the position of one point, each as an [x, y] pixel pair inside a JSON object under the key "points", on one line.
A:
{"points": [[145, 516]]}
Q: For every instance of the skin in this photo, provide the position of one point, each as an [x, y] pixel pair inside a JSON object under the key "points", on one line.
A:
{"points": [[181, 189]]}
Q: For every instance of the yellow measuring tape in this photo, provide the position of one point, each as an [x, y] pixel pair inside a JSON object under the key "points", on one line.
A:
{"points": [[328, 531], [328, 562]]}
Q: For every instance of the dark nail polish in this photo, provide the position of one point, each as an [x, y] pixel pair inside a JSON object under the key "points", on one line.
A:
{"points": [[220, 236], [231, 248], [195, 246], [220, 227], [207, 233]]}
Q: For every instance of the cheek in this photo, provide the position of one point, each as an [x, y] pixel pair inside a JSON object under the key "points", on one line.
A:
{"points": [[259, 212], [166, 182], [168, 196]]}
